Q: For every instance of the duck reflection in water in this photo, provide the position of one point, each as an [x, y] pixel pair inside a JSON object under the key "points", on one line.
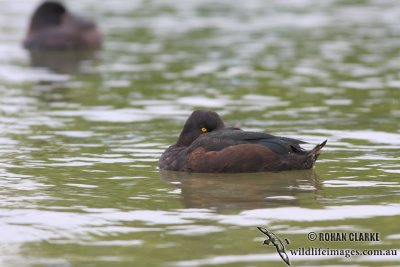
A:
{"points": [[64, 62], [242, 191]]}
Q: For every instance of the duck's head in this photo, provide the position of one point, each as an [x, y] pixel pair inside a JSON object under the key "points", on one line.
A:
{"points": [[48, 14], [199, 122]]}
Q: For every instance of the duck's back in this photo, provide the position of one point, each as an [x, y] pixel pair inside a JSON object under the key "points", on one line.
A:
{"points": [[218, 140]]}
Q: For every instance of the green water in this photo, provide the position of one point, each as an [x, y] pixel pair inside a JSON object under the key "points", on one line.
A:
{"points": [[81, 135]]}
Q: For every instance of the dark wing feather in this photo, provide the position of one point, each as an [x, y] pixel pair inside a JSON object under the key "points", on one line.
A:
{"points": [[220, 139], [280, 146]]}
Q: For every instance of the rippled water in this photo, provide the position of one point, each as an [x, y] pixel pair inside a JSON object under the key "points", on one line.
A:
{"points": [[81, 134]]}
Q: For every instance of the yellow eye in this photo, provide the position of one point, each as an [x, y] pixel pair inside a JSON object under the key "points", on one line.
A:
{"points": [[203, 130]]}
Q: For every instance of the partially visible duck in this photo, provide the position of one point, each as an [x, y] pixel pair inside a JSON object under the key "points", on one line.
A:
{"points": [[206, 145], [52, 26]]}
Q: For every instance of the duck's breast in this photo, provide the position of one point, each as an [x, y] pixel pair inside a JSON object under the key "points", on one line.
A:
{"points": [[173, 159]]}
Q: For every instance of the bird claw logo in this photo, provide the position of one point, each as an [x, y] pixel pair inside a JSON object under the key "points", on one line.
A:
{"points": [[275, 241]]}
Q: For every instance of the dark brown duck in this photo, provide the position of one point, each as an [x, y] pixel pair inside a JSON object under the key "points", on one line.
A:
{"points": [[52, 26], [206, 145]]}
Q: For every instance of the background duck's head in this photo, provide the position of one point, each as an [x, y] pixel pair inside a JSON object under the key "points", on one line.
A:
{"points": [[48, 14], [199, 122]]}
